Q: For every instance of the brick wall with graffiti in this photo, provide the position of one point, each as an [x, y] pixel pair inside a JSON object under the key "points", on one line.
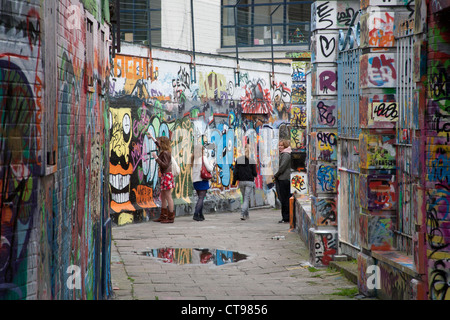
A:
{"points": [[436, 169], [163, 94], [54, 229]]}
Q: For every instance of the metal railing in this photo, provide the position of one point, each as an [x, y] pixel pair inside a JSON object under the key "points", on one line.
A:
{"points": [[348, 132], [407, 124]]}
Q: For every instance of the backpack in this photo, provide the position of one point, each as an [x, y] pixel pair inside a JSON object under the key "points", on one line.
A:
{"points": [[175, 167]]}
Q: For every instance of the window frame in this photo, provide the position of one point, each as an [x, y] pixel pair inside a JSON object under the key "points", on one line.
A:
{"points": [[135, 12], [251, 25]]}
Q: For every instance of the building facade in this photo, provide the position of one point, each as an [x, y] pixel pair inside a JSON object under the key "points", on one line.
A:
{"points": [[255, 27]]}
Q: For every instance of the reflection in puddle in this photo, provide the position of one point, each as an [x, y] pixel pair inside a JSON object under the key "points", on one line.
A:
{"points": [[195, 255]]}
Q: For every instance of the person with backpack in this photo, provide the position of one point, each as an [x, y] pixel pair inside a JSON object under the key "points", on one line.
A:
{"points": [[245, 172]]}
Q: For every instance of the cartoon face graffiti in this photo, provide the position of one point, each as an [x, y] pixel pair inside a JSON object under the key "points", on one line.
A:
{"points": [[120, 168]]}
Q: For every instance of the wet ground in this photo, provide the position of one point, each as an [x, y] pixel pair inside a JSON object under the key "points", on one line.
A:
{"points": [[221, 258], [195, 256]]}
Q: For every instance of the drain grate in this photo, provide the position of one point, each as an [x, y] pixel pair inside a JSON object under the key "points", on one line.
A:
{"points": [[195, 256]]}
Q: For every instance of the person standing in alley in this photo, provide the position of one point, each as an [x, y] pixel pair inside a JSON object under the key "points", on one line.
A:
{"points": [[164, 160], [201, 186], [283, 178], [245, 172]]}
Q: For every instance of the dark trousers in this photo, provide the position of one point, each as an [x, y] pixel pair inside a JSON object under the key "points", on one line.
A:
{"points": [[199, 206], [284, 193]]}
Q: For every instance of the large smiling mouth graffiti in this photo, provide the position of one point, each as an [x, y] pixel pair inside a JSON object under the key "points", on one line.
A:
{"points": [[119, 181], [121, 184]]}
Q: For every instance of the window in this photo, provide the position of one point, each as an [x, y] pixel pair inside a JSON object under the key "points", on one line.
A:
{"points": [[140, 21], [265, 22]]}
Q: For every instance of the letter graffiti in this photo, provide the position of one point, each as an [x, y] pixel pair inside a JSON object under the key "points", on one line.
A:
{"points": [[326, 114], [382, 71], [438, 80], [327, 82], [298, 139], [325, 247], [344, 18], [326, 178], [325, 12], [298, 116], [385, 111], [326, 146]]}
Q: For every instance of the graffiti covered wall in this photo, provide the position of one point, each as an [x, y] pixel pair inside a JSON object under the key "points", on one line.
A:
{"points": [[327, 17], [54, 223], [391, 110], [437, 195], [163, 94]]}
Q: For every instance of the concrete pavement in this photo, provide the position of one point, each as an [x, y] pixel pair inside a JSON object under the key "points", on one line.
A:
{"points": [[273, 269]]}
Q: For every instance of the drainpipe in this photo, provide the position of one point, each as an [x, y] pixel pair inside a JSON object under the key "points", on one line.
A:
{"points": [[116, 29], [272, 82], [237, 72], [149, 27], [192, 64], [149, 39]]}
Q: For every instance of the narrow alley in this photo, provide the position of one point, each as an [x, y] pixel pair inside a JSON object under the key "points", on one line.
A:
{"points": [[341, 108]]}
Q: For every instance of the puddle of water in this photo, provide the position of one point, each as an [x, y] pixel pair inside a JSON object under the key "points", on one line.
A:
{"points": [[195, 256]]}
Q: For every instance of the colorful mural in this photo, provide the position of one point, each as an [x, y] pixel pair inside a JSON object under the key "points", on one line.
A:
{"points": [[437, 196], [212, 111]]}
